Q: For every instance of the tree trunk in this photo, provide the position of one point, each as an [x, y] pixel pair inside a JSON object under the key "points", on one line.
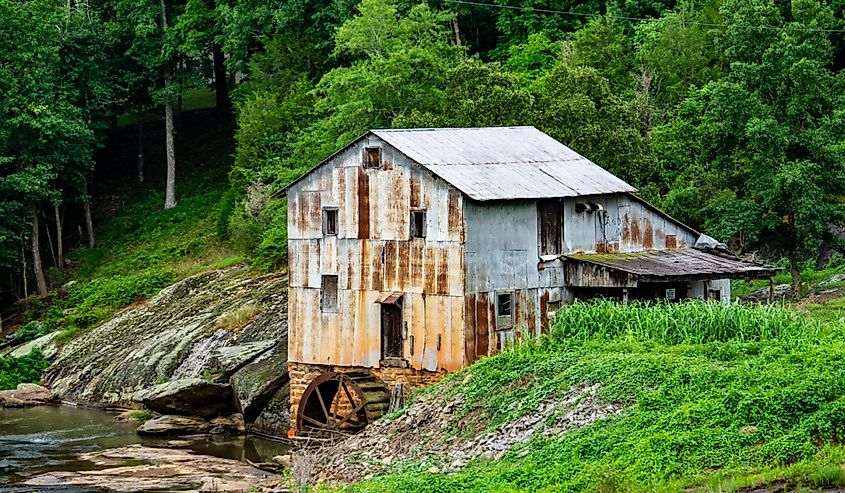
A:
{"points": [[170, 190], [59, 241], [40, 280], [50, 240], [89, 224], [23, 272], [140, 146], [796, 277], [221, 80]]}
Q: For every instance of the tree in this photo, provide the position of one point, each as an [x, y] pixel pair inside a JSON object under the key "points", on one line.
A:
{"points": [[762, 147]]}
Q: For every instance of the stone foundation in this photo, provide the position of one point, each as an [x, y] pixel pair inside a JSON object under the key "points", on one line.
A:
{"points": [[301, 375]]}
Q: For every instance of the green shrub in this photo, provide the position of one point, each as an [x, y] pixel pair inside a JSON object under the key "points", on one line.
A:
{"points": [[244, 231], [23, 369], [119, 290], [225, 209], [31, 330]]}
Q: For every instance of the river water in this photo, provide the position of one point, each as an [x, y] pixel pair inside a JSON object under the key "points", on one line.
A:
{"points": [[50, 438]]}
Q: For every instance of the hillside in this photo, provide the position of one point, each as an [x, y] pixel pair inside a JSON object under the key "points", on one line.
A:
{"points": [[691, 397]]}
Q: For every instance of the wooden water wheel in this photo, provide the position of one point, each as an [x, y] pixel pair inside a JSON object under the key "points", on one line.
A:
{"points": [[341, 403]]}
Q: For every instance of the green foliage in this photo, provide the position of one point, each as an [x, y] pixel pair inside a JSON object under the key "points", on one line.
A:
{"points": [[23, 369], [747, 389]]}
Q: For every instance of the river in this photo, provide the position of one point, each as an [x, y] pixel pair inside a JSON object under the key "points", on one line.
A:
{"points": [[49, 438]]}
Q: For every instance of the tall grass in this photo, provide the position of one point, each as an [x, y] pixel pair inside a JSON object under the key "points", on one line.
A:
{"points": [[689, 322]]}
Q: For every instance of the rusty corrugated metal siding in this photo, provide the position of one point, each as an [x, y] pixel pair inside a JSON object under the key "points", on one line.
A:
{"points": [[372, 253]]}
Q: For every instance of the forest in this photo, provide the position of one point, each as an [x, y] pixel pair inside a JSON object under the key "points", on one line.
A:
{"points": [[729, 114]]}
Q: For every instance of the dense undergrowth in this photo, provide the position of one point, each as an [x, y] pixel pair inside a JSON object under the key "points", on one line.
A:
{"points": [[717, 397], [23, 369]]}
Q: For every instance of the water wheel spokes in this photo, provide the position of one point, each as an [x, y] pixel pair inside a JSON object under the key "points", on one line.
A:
{"points": [[338, 402]]}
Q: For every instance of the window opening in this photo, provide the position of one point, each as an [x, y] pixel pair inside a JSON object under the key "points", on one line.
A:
{"points": [[329, 221], [417, 224], [328, 294], [504, 311], [372, 157], [550, 219]]}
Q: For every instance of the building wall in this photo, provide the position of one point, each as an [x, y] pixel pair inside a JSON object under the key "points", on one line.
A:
{"points": [[373, 254], [627, 225]]}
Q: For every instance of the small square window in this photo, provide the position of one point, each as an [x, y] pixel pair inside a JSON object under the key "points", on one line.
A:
{"points": [[504, 311], [329, 221], [417, 224], [714, 294], [372, 157], [328, 294]]}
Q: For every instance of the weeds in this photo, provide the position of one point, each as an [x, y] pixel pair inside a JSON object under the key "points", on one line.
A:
{"points": [[236, 320], [23, 369]]}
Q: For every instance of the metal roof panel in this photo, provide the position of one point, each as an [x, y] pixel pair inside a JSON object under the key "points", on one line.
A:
{"points": [[498, 163], [683, 262]]}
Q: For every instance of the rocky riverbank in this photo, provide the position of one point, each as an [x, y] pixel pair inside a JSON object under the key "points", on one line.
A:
{"points": [[224, 331], [136, 468]]}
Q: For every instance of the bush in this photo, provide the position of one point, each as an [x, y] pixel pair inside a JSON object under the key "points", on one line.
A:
{"points": [[119, 290], [24, 369]]}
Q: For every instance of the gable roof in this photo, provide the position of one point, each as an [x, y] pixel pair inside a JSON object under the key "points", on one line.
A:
{"points": [[499, 163]]}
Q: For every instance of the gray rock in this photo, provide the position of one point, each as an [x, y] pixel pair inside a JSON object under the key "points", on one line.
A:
{"points": [[232, 424], [175, 425], [44, 343], [255, 384], [275, 417], [146, 344], [232, 358], [191, 396]]}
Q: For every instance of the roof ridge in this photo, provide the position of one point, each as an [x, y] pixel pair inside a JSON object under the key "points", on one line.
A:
{"points": [[442, 129]]}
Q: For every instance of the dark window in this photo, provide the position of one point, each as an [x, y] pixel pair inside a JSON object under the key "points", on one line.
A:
{"points": [[714, 294], [417, 224], [328, 294], [504, 311], [550, 222], [329, 221], [391, 334], [372, 157]]}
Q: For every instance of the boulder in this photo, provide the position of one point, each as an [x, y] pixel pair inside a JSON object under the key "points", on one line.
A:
{"points": [[232, 358], [175, 425], [26, 395], [189, 396], [170, 424], [255, 384]]}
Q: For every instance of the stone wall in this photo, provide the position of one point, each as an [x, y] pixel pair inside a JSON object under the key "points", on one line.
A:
{"points": [[301, 374]]}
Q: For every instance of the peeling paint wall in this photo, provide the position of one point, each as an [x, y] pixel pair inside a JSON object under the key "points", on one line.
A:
{"points": [[372, 254]]}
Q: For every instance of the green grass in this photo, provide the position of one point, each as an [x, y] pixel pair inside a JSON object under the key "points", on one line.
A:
{"points": [[716, 397]]}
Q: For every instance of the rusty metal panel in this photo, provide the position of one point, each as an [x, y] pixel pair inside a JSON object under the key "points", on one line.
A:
{"points": [[581, 274], [497, 163], [687, 263]]}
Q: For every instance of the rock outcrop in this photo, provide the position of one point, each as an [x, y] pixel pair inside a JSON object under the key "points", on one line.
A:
{"points": [[195, 328], [27, 395], [188, 396], [193, 425], [137, 469]]}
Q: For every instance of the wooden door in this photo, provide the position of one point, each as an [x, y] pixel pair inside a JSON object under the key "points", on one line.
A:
{"points": [[391, 331]]}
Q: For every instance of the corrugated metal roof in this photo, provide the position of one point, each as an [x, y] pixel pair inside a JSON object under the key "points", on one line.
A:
{"points": [[499, 163], [683, 262]]}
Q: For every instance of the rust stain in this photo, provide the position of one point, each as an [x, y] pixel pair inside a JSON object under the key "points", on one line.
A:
{"points": [[306, 263], [442, 271], [378, 268], [364, 262], [481, 326], [613, 247], [403, 265], [531, 312], [415, 190], [648, 235], [429, 270], [470, 353], [671, 241], [544, 310], [363, 205], [636, 236], [417, 262], [390, 265], [455, 221], [601, 247], [626, 229]]}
